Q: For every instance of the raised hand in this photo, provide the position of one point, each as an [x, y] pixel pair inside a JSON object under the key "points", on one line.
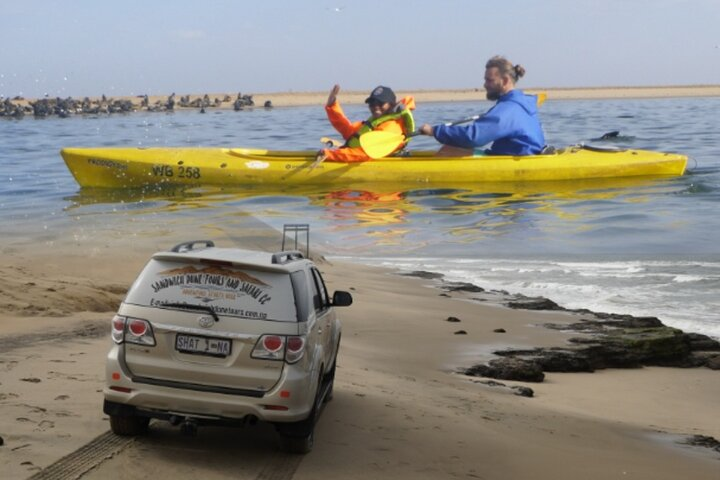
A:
{"points": [[332, 98]]}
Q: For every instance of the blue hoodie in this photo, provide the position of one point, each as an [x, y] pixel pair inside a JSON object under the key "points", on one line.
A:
{"points": [[512, 125]]}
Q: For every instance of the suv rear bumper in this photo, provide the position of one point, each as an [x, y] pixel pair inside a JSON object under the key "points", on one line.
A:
{"points": [[290, 400]]}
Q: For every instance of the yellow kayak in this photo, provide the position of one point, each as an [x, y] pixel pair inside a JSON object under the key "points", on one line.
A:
{"points": [[136, 167]]}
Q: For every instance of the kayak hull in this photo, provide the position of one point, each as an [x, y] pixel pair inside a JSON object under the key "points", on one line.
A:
{"points": [[138, 167]]}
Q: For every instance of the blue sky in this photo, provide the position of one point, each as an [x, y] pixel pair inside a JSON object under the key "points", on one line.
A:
{"points": [[130, 47]]}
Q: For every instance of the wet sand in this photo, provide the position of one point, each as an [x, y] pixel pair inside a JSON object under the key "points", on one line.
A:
{"points": [[400, 410]]}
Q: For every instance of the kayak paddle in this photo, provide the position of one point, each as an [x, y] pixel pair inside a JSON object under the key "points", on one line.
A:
{"points": [[379, 144]]}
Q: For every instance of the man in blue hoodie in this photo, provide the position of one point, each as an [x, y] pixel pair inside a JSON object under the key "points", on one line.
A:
{"points": [[512, 124]]}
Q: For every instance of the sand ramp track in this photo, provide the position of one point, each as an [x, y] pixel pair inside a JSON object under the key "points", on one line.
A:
{"points": [[61, 295], [79, 464]]}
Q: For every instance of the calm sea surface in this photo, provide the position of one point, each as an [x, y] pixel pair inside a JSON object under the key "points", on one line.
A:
{"points": [[645, 247]]}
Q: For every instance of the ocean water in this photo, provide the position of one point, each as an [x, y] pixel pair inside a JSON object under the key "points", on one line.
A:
{"points": [[638, 246]]}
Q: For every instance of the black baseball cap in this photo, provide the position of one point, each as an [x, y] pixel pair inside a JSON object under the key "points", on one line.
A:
{"points": [[381, 94]]}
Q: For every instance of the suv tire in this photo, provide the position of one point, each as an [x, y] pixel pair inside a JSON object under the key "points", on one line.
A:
{"points": [[330, 377], [298, 444], [299, 437], [129, 426]]}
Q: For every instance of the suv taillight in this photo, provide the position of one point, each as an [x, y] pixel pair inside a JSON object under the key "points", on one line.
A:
{"points": [[294, 349], [132, 330], [280, 347]]}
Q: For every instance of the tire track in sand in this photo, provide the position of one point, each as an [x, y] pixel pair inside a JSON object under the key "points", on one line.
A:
{"points": [[279, 466], [85, 458]]}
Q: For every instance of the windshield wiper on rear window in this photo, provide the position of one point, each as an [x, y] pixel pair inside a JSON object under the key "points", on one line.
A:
{"points": [[187, 306]]}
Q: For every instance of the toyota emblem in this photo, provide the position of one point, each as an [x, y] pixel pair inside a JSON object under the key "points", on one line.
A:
{"points": [[205, 321]]}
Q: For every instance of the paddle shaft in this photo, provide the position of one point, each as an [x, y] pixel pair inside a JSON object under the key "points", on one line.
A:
{"points": [[447, 124], [540, 100]]}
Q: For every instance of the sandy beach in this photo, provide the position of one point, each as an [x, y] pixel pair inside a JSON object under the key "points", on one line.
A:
{"points": [[400, 411], [474, 94]]}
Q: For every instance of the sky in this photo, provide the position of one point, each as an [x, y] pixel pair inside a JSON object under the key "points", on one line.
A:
{"points": [[130, 47]]}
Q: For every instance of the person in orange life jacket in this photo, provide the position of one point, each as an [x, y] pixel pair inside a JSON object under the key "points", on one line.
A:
{"points": [[512, 125], [386, 113]]}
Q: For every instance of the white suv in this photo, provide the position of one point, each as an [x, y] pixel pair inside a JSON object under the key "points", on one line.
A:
{"points": [[212, 335]]}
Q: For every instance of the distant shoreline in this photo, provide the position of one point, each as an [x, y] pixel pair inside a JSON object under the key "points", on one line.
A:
{"points": [[291, 99], [470, 94]]}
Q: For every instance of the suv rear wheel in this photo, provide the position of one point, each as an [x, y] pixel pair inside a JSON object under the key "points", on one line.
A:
{"points": [[299, 437], [298, 444], [330, 377], [129, 426]]}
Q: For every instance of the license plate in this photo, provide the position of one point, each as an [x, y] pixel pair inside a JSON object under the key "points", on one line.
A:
{"points": [[214, 347]]}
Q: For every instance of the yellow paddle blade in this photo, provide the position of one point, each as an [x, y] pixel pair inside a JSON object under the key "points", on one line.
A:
{"points": [[379, 144], [541, 97]]}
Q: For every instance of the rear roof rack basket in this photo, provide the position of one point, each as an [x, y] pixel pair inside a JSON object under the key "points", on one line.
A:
{"points": [[297, 228], [285, 257], [189, 246]]}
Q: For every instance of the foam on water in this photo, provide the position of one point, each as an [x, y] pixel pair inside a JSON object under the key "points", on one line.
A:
{"points": [[637, 288]]}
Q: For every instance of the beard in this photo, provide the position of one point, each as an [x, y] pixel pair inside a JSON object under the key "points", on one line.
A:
{"points": [[492, 95]]}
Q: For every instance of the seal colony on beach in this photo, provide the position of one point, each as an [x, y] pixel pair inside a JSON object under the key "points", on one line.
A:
{"points": [[18, 107]]}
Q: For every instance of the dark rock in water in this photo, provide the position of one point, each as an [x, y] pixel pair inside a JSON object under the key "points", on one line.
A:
{"points": [[492, 383], [499, 330], [423, 274], [623, 342], [533, 303], [2, 441], [524, 391], [713, 363], [462, 287], [703, 441], [703, 342], [268, 104], [517, 390], [453, 319], [461, 332], [508, 369]]}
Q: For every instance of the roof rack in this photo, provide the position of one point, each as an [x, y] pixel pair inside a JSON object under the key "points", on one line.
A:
{"points": [[297, 228], [189, 246], [285, 257]]}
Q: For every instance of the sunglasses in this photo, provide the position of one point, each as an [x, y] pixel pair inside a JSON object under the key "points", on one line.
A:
{"points": [[373, 103]]}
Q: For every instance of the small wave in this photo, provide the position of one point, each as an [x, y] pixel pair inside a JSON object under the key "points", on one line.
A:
{"points": [[687, 278]]}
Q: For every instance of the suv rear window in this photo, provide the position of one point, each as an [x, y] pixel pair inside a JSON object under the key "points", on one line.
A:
{"points": [[228, 290]]}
